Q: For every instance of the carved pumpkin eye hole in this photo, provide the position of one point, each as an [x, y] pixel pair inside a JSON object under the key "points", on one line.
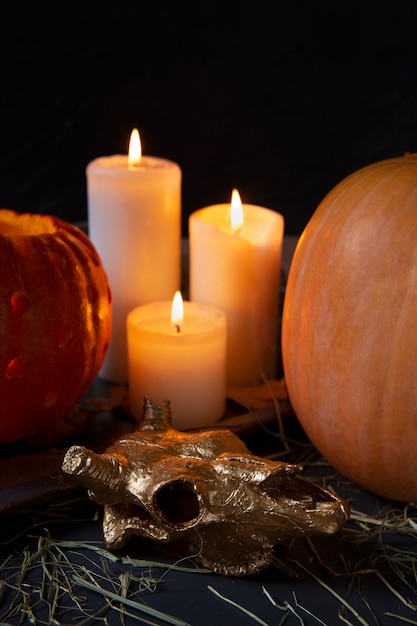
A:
{"points": [[19, 303], [15, 368], [177, 503]]}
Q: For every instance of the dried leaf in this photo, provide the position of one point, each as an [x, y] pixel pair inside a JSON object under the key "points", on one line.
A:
{"points": [[259, 397], [119, 397]]}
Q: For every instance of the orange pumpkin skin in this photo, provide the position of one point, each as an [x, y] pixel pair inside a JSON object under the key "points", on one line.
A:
{"points": [[349, 329], [55, 320]]}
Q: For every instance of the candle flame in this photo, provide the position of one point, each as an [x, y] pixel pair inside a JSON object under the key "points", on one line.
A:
{"points": [[135, 148], [236, 211], [177, 311]]}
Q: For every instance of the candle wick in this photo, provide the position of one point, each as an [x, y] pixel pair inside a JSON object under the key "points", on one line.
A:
{"points": [[177, 326]]}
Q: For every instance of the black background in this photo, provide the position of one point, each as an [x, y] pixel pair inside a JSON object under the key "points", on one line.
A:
{"points": [[279, 99]]}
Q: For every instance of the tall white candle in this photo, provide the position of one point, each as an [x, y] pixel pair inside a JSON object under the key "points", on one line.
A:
{"points": [[183, 361], [134, 214], [237, 268]]}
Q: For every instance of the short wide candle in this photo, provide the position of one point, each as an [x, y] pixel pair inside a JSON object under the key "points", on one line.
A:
{"points": [[134, 218], [183, 363], [239, 271]]}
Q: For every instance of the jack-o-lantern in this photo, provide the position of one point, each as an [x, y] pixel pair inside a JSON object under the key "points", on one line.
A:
{"points": [[55, 320]]}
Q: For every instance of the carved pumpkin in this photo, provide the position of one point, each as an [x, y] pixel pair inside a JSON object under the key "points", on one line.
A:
{"points": [[349, 330], [55, 318]]}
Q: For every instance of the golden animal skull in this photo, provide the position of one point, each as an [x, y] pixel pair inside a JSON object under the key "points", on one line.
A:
{"points": [[231, 506]]}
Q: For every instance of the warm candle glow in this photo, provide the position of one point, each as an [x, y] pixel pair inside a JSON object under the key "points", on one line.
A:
{"points": [[185, 365], [177, 311], [238, 270], [135, 148], [134, 221], [236, 211]]}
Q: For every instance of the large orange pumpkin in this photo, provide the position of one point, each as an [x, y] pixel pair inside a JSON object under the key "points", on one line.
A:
{"points": [[349, 330], [55, 317]]}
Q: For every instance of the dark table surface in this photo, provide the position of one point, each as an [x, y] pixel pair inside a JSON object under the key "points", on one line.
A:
{"points": [[52, 552]]}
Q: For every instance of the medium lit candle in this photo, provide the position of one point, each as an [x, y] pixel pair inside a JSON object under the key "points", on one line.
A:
{"points": [[177, 352], [235, 265], [134, 215]]}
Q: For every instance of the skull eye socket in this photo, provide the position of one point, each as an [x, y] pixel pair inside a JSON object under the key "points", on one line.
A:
{"points": [[177, 503]]}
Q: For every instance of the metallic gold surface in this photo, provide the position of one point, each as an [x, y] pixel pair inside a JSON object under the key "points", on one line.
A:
{"points": [[231, 506]]}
